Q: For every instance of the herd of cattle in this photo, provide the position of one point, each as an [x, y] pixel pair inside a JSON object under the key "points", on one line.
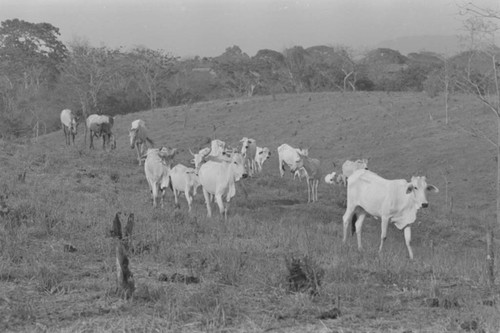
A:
{"points": [[218, 168]]}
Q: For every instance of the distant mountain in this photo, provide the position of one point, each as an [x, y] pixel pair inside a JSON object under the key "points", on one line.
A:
{"points": [[447, 45]]}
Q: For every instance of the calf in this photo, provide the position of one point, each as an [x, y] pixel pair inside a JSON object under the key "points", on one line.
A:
{"points": [[184, 179], [313, 175], [395, 201]]}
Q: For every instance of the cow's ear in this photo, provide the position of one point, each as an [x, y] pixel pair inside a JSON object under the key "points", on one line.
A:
{"points": [[432, 188], [409, 189]]}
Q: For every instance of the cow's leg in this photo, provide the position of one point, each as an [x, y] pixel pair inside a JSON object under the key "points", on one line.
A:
{"points": [[315, 191], [176, 198], [282, 172], [309, 190], [138, 153], [66, 134], [220, 203], [91, 135], [207, 202], [383, 232], [407, 232], [359, 226], [346, 219], [189, 199], [154, 193], [73, 136]]}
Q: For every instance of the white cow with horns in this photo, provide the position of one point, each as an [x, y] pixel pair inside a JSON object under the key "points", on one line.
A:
{"points": [[218, 178], [395, 201]]}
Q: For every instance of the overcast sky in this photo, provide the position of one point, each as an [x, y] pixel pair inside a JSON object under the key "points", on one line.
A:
{"points": [[207, 27]]}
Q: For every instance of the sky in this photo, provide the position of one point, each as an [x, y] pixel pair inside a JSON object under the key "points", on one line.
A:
{"points": [[207, 27]]}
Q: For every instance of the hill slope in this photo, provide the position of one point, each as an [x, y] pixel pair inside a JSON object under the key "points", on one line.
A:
{"points": [[71, 195]]}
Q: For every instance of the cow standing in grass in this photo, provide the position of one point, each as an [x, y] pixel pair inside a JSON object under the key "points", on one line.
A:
{"points": [[313, 175], [261, 155], [249, 150], [101, 126], [184, 179], [69, 124], [395, 201], [139, 138], [157, 168], [218, 178]]}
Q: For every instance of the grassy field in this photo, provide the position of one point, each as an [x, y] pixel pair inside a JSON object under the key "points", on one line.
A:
{"points": [[70, 196]]}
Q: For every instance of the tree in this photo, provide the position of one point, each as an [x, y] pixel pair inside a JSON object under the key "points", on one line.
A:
{"points": [[88, 70], [481, 24], [152, 68], [295, 60], [30, 52]]}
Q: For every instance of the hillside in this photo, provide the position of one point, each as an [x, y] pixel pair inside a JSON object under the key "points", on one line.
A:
{"points": [[71, 195]]}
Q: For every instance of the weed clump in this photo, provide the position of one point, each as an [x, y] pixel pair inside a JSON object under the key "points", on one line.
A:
{"points": [[304, 275]]}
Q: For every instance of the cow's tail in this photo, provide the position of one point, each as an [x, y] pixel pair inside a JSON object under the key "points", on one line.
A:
{"points": [[353, 223]]}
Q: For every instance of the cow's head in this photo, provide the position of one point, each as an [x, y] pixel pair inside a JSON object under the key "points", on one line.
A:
{"points": [[418, 187], [362, 164], [298, 163], [263, 153], [245, 143], [238, 166], [198, 158]]}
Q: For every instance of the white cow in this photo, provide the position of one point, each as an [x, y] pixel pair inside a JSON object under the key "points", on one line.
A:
{"points": [[69, 124], [139, 138], [289, 156], [313, 175], [157, 168], [395, 201], [249, 150], [261, 155], [350, 166], [101, 126], [184, 179], [219, 178]]}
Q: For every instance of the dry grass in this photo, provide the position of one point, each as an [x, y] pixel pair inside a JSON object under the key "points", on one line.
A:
{"points": [[70, 196]]}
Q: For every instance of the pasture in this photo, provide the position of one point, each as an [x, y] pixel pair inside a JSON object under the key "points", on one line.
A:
{"points": [[57, 265]]}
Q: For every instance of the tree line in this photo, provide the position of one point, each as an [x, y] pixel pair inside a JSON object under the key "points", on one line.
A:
{"points": [[40, 75]]}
